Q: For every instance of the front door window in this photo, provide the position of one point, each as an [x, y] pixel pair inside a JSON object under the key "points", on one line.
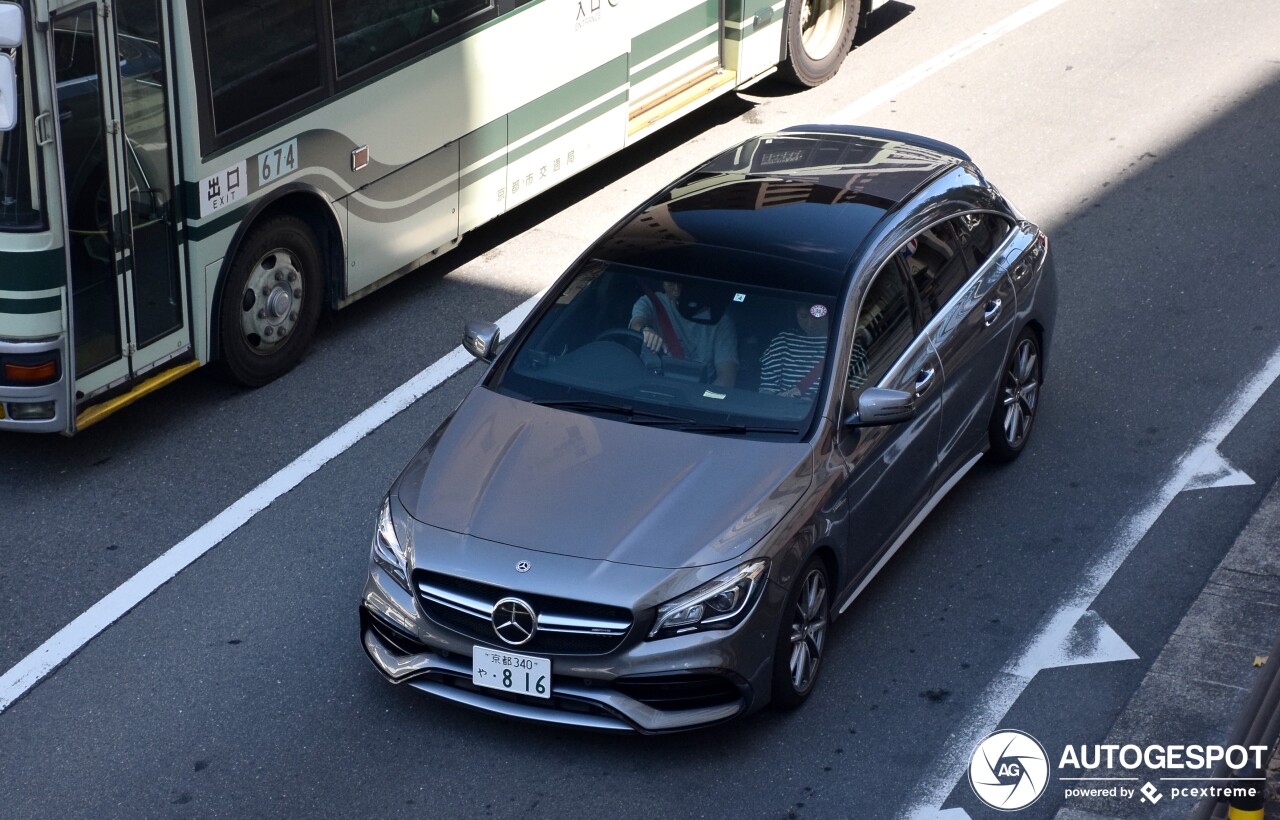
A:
{"points": [[157, 292], [91, 241]]}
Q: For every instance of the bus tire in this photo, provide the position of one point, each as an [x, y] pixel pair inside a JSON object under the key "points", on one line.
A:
{"points": [[819, 35], [271, 301]]}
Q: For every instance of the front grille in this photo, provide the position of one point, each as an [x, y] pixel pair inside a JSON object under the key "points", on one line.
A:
{"points": [[680, 691], [565, 626]]}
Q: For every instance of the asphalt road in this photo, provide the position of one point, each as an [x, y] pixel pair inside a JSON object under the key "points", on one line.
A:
{"points": [[1140, 134]]}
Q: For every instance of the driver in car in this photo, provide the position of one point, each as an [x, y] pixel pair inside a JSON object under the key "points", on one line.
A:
{"points": [[688, 328]]}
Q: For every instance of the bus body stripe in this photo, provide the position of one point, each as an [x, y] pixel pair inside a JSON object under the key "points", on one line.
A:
{"points": [[655, 68], [34, 270], [664, 35], [558, 102], [27, 307], [617, 101]]}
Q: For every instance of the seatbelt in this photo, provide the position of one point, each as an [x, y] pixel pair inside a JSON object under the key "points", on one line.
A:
{"points": [[665, 329], [809, 378]]}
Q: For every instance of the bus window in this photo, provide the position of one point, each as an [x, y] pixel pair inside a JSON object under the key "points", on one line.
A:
{"points": [[364, 32], [261, 56]]}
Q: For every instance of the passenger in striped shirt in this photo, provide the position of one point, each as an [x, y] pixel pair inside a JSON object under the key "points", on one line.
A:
{"points": [[792, 363]]}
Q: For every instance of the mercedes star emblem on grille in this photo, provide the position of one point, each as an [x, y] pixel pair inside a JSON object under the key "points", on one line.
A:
{"points": [[522, 566], [514, 621]]}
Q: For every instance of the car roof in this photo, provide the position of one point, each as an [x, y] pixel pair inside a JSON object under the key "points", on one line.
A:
{"points": [[794, 205]]}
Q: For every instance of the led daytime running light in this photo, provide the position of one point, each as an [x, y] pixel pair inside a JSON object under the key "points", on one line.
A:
{"points": [[695, 610]]}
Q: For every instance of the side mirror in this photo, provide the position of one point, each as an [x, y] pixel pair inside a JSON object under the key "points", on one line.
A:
{"points": [[481, 340], [11, 28], [8, 94], [878, 406], [10, 25]]}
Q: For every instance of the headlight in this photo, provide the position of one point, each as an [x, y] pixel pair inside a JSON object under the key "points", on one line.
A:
{"points": [[719, 604], [387, 551]]}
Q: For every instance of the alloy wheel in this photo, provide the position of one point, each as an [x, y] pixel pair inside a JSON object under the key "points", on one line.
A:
{"points": [[1021, 390], [809, 629]]}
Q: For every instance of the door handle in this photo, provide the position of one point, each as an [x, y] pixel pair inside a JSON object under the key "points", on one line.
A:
{"points": [[992, 312], [923, 381]]}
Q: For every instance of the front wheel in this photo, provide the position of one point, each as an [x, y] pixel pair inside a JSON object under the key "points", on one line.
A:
{"points": [[819, 35], [271, 301], [802, 636], [1019, 399]]}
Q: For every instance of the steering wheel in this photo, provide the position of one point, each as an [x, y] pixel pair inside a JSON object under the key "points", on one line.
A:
{"points": [[632, 340]]}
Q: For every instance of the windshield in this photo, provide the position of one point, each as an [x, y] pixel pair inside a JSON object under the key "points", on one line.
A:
{"points": [[674, 350], [17, 204]]}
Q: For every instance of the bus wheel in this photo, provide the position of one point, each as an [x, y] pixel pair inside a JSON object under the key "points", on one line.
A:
{"points": [[271, 302], [819, 35]]}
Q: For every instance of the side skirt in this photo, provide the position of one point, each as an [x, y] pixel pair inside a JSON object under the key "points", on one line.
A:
{"points": [[915, 522]]}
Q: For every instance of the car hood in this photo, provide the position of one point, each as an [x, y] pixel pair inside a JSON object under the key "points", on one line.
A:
{"points": [[559, 482]]}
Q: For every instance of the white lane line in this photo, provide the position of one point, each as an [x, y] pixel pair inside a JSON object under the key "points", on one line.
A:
{"points": [[72, 637], [986, 37], [1045, 648]]}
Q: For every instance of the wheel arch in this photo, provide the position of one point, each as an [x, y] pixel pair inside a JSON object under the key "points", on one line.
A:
{"points": [[802, 549], [312, 206]]}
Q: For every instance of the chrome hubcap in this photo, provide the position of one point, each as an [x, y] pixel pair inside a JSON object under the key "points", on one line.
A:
{"points": [[808, 630], [821, 26], [1021, 389], [272, 300]]}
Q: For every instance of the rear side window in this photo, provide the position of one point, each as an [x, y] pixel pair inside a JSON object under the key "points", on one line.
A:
{"points": [[937, 266], [980, 235]]}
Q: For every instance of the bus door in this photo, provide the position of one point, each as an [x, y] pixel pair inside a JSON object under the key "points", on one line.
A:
{"points": [[677, 59], [128, 299]]}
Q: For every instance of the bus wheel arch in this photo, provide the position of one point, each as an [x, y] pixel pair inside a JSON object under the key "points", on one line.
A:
{"points": [[818, 35], [278, 273]]}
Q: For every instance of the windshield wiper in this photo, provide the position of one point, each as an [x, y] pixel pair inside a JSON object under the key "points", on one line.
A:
{"points": [[629, 413], [737, 428]]}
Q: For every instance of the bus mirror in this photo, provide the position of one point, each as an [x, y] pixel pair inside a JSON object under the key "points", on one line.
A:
{"points": [[8, 94], [10, 25]]}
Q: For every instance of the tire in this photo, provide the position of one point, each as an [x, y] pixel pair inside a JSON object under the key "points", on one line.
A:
{"points": [[1018, 400], [802, 636], [271, 302], [819, 35]]}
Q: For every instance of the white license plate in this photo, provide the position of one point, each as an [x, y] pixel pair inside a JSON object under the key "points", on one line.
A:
{"points": [[509, 672]]}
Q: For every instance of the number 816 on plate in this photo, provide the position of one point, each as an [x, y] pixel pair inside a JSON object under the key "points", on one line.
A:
{"points": [[522, 674]]}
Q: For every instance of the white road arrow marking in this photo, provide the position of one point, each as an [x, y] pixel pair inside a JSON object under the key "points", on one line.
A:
{"points": [[1073, 638], [1213, 470]]}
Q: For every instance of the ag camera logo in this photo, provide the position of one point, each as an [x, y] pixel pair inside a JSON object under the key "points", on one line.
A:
{"points": [[1009, 770]]}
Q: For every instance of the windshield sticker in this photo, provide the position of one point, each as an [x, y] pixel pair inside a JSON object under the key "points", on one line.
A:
{"points": [[818, 311], [739, 297], [707, 394], [223, 188]]}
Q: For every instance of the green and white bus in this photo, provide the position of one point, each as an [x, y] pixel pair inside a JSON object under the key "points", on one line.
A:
{"points": [[190, 181]]}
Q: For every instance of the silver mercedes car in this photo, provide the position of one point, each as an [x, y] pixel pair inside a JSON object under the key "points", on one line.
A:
{"points": [[711, 433]]}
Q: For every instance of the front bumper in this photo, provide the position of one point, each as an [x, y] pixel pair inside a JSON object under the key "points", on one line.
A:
{"points": [[643, 686]]}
